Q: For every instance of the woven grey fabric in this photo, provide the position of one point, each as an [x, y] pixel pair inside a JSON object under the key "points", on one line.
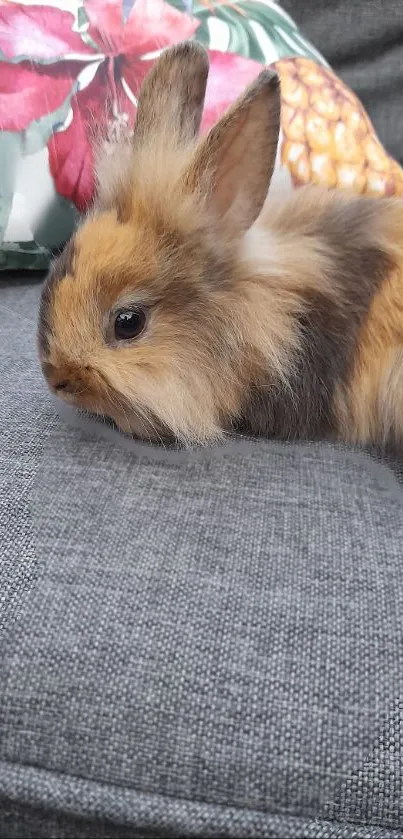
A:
{"points": [[192, 647], [363, 41], [22, 419]]}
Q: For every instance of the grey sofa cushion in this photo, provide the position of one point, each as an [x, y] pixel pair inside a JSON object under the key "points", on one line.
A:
{"points": [[363, 41], [192, 646]]}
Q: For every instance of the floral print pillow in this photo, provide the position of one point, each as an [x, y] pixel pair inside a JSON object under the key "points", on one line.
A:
{"points": [[72, 68]]}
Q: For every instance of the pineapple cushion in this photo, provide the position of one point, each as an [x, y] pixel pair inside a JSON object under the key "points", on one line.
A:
{"points": [[71, 68]]}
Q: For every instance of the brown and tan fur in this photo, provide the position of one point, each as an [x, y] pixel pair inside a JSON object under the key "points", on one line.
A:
{"points": [[371, 409], [277, 319]]}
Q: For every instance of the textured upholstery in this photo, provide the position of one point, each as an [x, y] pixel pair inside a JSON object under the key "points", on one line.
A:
{"points": [[192, 646]]}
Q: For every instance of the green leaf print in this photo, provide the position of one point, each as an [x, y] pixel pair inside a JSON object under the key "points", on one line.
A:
{"points": [[256, 29], [36, 136], [10, 153], [81, 26], [21, 256], [56, 225]]}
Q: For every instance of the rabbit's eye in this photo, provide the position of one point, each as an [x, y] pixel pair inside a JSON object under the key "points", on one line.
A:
{"points": [[130, 323]]}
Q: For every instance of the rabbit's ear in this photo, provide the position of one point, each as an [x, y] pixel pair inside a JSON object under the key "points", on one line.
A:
{"points": [[171, 98], [235, 161]]}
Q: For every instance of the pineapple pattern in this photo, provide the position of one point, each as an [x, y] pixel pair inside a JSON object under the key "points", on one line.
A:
{"points": [[85, 66], [327, 136]]}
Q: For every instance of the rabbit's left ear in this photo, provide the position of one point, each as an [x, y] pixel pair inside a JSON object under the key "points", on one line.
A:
{"points": [[171, 98], [234, 163], [169, 112]]}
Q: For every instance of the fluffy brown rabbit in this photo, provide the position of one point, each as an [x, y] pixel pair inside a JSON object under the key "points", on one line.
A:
{"points": [[186, 307]]}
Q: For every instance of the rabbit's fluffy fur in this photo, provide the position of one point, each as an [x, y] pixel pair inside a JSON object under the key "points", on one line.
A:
{"points": [[275, 318]]}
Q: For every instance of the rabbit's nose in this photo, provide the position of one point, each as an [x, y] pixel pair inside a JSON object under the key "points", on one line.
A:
{"points": [[61, 385], [59, 380]]}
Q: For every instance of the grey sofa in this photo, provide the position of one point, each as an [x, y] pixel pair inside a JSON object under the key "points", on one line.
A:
{"points": [[202, 645]]}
